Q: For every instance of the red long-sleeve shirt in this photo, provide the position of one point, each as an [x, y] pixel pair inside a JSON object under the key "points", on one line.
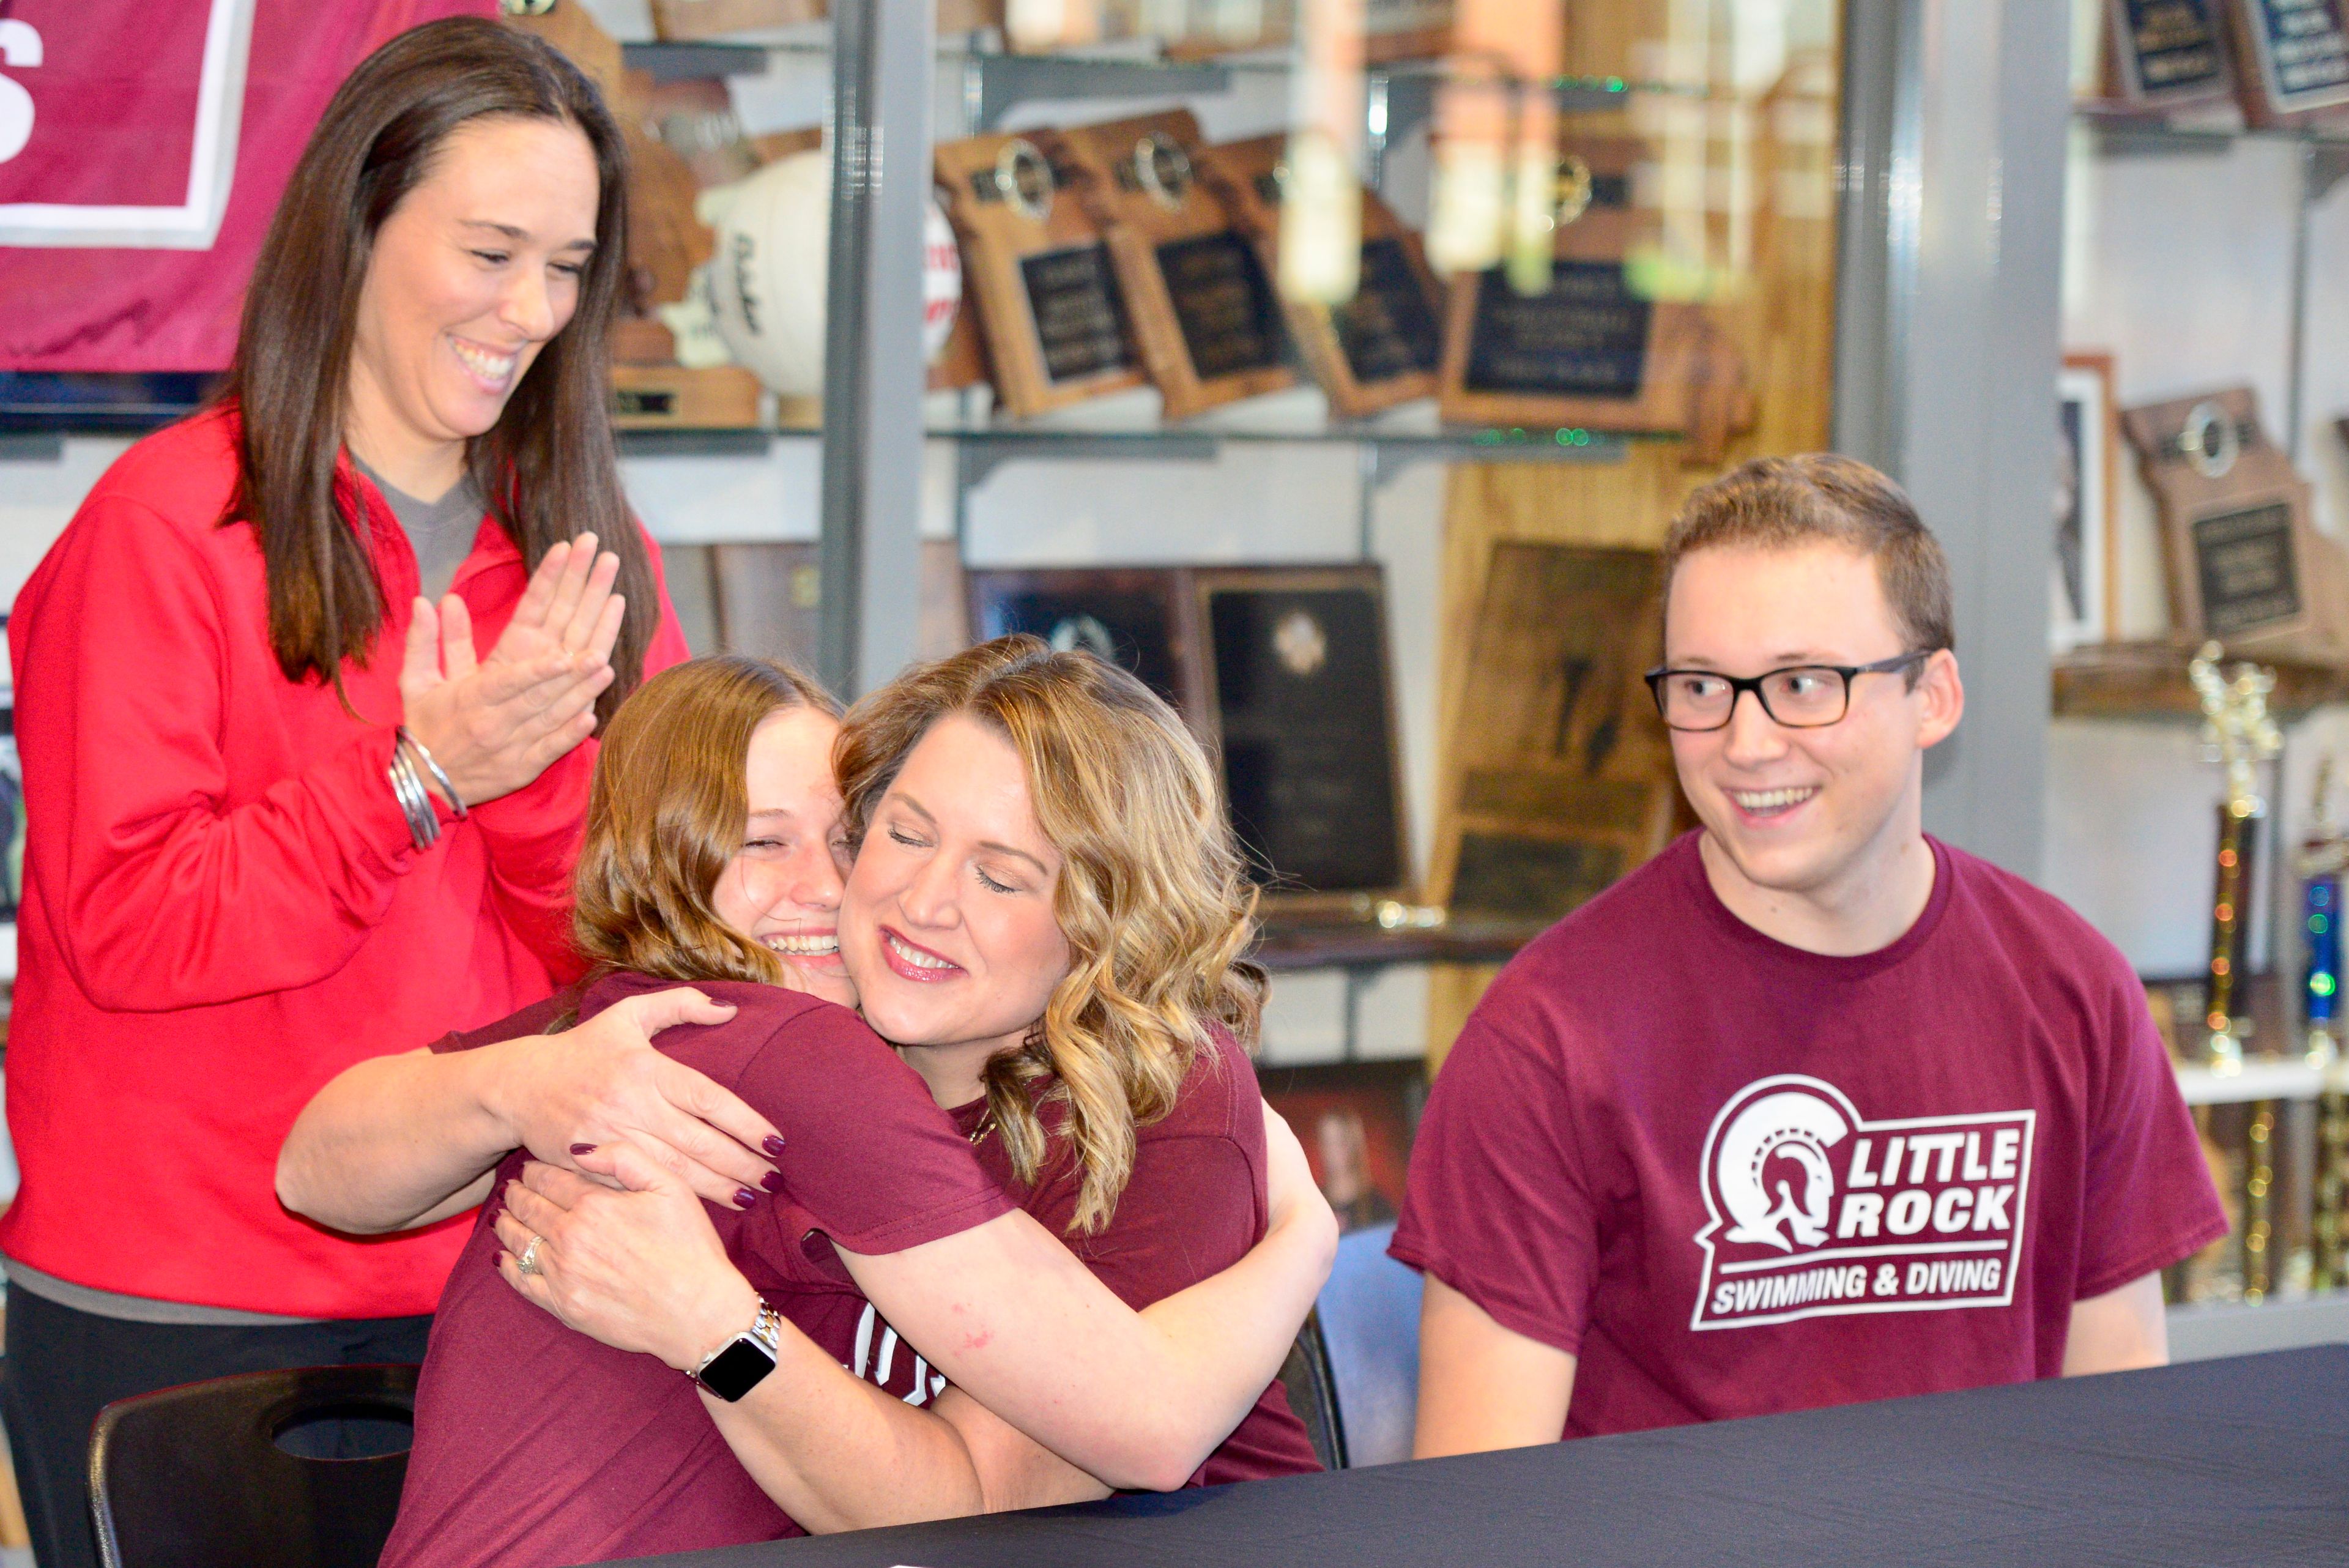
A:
{"points": [[223, 908]]}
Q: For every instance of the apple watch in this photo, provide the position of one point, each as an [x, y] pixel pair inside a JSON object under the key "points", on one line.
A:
{"points": [[736, 1368]]}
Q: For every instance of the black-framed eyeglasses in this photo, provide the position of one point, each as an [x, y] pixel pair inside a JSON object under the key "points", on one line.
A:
{"points": [[1800, 696]]}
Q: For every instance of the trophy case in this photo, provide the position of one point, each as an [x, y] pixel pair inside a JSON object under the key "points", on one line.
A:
{"points": [[2199, 602]]}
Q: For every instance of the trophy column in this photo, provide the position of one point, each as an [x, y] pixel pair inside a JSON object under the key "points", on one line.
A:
{"points": [[2238, 733]]}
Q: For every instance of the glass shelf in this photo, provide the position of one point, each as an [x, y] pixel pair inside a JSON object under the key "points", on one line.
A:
{"points": [[1002, 444], [2121, 126], [726, 58]]}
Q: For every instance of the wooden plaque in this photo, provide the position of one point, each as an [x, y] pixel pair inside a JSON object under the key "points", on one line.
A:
{"points": [[767, 600], [2295, 59], [1205, 313], [1406, 29], [1299, 685], [1562, 777], [1137, 616], [1051, 305], [2245, 564], [1590, 351], [2165, 53], [1382, 346]]}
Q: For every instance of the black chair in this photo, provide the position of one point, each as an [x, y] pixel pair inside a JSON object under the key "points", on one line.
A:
{"points": [[1313, 1394], [196, 1477]]}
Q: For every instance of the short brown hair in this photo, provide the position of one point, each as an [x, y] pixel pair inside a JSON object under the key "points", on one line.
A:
{"points": [[1778, 503], [1154, 898], [666, 816]]}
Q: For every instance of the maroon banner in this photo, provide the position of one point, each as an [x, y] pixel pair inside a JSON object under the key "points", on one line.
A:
{"points": [[143, 150]]}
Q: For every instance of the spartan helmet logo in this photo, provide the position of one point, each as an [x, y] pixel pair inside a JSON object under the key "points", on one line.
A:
{"points": [[1771, 1167]]}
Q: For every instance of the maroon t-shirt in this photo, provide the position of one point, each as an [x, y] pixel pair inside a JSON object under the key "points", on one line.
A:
{"points": [[535, 1445], [1734, 1177], [1192, 1208]]}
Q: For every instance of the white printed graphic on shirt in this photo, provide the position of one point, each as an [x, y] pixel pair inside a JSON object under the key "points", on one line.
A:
{"points": [[875, 1368], [1815, 1213]]}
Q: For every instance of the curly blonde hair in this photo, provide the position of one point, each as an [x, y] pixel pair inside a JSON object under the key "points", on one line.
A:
{"points": [[667, 814], [1153, 899]]}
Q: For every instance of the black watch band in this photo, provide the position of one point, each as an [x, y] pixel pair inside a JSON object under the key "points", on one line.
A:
{"points": [[740, 1365]]}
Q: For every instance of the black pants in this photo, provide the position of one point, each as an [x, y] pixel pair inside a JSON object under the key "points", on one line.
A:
{"points": [[62, 1367]]}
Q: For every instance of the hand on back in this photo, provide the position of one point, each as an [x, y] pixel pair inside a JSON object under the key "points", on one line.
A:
{"points": [[495, 724], [602, 1083], [635, 1263]]}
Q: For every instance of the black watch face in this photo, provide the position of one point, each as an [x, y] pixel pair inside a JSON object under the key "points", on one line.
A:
{"points": [[737, 1370]]}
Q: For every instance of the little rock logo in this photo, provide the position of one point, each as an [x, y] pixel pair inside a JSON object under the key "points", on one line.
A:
{"points": [[1815, 1213]]}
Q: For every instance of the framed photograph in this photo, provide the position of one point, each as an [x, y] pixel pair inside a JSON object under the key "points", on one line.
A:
{"points": [[2085, 579], [1356, 1120]]}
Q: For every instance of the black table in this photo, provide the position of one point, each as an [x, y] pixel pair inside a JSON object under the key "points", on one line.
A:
{"points": [[2237, 1461]]}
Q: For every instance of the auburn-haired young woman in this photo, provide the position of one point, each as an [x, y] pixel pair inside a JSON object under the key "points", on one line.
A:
{"points": [[713, 801], [263, 843]]}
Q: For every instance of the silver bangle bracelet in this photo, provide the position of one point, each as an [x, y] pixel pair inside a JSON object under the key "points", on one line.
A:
{"points": [[433, 766], [408, 788]]}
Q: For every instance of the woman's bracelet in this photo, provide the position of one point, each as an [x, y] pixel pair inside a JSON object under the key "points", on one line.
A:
{"points": [[456, 800], [408, 788]]}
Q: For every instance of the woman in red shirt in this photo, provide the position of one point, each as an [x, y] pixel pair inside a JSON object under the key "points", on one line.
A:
{"points": [[265, 844]]}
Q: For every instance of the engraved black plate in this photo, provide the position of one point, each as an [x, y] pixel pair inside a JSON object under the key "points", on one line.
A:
{"points": [[1308, 753], [1080, 315], [2306, 42], [2244, 561], [1133, 627], [1387, 328], [1224, 303], [1586, 337], [2172, 46], [1518, 878]]}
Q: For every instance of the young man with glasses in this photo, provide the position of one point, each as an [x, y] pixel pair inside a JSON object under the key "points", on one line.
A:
{"points": [[1811, 1108]]}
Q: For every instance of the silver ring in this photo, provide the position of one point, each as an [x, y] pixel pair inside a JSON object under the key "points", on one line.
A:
{"points": [[528, 1262]]}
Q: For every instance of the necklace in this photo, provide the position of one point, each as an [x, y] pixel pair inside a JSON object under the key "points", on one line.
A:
{"points": [[986, 1126]]}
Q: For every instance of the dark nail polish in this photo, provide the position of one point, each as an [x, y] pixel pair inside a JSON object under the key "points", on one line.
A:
{"points": [[773, 1146], [744, 1198], [772, 1181], [580, 1149]]}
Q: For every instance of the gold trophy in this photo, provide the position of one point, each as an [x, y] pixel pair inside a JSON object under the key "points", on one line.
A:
{"points": [[2237, 734]]}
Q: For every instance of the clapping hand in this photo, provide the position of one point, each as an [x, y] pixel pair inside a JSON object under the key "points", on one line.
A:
{"points": [[495, 724]]}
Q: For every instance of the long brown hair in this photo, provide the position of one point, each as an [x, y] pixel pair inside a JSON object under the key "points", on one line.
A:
{"points": [[548, 468], [1153, 899], [667, 814]]}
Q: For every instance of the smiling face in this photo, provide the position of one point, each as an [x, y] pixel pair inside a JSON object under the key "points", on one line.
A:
{"points": [[469, 278], [947, 925], [1806, 811], [782, 890]]}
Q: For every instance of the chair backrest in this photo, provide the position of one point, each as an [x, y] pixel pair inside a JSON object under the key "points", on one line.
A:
{"points": [[1368, 1318], [1306, 1376], [194, 1476]]}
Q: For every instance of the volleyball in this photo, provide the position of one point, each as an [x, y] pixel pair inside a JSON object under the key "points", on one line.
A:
{"points": [[767, 276]]}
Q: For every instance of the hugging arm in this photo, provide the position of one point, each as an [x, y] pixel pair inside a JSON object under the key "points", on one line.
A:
{"points": [[1109, 1397], [399, 1141]]}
